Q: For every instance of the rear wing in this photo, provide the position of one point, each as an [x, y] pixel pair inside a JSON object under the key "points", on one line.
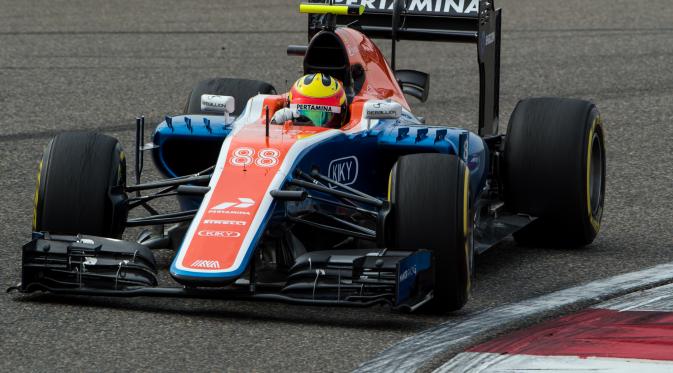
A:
{"points": [[464, 21]]}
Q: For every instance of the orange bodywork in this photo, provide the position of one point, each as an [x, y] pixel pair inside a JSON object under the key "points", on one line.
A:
{"points": [[231, 215], [379, 84]]}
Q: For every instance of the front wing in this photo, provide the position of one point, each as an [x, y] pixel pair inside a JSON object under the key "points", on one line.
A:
{"points": [[90, 265]]}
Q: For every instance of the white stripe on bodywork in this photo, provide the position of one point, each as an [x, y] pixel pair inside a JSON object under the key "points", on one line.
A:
{"points": [[489, 362], [252, 112], [286, 167]]}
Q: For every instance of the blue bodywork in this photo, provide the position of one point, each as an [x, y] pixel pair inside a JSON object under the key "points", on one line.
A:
{"points": [[375, 149], [361, 159]]}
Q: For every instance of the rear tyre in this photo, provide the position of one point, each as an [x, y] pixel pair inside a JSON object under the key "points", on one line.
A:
{"points": [[555, 170], [430, 209], [80, 186], [241, 89]]}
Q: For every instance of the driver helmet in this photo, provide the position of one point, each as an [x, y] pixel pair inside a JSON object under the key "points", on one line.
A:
{"points": [[318, 100]]}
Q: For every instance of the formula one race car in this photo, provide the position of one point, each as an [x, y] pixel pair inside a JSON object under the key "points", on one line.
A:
{"points": [[385, 209]]}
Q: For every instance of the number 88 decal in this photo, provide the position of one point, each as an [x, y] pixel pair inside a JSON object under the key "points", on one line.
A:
{"points": [[244, 156], [267, 157]]}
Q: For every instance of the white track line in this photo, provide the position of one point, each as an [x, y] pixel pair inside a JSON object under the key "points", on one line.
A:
{"points": [[488, 362], [659, 299], [412, 353]]}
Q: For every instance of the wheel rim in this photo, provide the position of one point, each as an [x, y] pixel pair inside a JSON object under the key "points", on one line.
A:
{"points": [[596, 174]]}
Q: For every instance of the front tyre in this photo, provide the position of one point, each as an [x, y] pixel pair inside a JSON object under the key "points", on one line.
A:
{"points": [[430, 209], [80, 186], [555, 170]]}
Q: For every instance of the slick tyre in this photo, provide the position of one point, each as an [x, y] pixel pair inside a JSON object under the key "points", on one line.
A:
{"points": [[555, 170], [430, 209], [241, 89], [80, 186]]}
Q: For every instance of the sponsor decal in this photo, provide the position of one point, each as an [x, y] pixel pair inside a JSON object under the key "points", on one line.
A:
{"points": [[212, 104], [490, 38], [229, 212], [327, 108], [243, 203], [420, 6], [201, 263], [473, 162], [383, 110], [224, 222], [219, 234], [343, 170], [466, 150], [409, 272], [245, 156], [217, 103]]}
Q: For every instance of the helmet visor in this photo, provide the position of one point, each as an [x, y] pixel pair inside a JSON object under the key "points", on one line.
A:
{"points": [[317, 115]]}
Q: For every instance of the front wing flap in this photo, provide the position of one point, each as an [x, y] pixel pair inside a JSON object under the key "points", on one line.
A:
{"points": [[89, 265]]}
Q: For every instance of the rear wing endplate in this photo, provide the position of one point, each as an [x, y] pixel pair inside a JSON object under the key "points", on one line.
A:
{"points": [[465, 21]]}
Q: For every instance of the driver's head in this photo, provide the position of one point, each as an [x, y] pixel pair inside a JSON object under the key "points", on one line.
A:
{"points": [[318, 100]]}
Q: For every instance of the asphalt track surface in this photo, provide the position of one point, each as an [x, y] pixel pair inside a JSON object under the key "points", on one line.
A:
{"points": [[67, 65]]}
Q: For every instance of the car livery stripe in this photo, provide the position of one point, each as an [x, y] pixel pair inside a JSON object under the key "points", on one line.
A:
{"points": [[230, 218]]}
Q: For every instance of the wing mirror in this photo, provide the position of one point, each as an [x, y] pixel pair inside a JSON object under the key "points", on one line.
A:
{"points": [[218, 104], [381, 110]]}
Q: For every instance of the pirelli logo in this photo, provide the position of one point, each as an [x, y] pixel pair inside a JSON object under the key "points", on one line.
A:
{"points": [[209, 264]]}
